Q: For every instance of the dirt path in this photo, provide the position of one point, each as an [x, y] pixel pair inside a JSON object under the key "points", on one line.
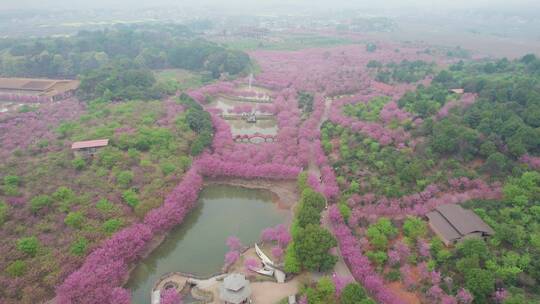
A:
{"points": [[271, 293], [341, 269], [312, 165]]}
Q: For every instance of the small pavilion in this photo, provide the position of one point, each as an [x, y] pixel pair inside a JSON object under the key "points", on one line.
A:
{"points": [[89, 147], [235, 289]]}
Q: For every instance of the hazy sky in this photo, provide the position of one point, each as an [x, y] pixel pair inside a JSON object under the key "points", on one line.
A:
{"points": [[73, 4]]}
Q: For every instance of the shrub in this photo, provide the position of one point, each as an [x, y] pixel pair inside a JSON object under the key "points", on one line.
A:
{"points": [[28, 245], [104, 206], [63, 194], [131, 198], [112, 225], [124, 178], [78, 163], [323, 294], [377, 257], [353, 293], [74, 219], [393, 275], [16, 269], [109, 157], [167, 168], [3, 212], [39, 202], [65, 197], [414, 227], [12, 180], [345, 211], [79, 246]]}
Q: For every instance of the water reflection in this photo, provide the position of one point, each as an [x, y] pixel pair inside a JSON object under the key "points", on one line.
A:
{"points": [[198, 244], [241, 127]]}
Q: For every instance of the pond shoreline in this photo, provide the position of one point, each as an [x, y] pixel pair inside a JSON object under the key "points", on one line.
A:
{"points": [[284, 196]]}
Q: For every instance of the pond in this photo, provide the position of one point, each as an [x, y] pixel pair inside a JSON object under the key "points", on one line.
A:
{"points": [[227, 104], [198, 244], [242, 127]]}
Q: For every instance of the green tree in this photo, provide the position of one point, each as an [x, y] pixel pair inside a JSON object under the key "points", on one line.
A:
{"points": [[12, 180], [302, 181], [377, 257], [74, 219], [345, 211], [353, 293], [385, 226], [131, 198], [371, 47], [3, 212], [313, 199], [124, 178], [78, 163], [308, 215], [112, 225], [376, 238], [105, 206], [40, 202], [79, 246], [312, 248], [16, 268], [481, 283], [496, 164], [28, 245], [323, 293], [473, 247], [292, 264], [414, 227], [64, 197]]}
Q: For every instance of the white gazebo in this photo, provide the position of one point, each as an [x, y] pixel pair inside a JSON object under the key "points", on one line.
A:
{"points": [[235, 289]]}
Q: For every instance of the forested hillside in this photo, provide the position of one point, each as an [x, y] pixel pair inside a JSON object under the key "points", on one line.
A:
{"points": [[116, 63], [456, 142], [56, 207]]}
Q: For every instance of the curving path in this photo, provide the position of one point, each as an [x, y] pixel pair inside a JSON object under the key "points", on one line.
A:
{"points": [[341, 269]]}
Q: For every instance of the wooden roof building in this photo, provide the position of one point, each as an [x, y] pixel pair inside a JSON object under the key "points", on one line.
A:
{"points": [[47, 89], [453, 224], [89, 147]]}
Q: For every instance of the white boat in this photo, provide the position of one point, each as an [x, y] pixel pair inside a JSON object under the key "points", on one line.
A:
{"points": [[266, 260], [156, 297], [265, 271]]}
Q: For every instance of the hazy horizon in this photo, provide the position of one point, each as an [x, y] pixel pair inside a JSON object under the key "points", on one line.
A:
{"points": [[277, 4]]}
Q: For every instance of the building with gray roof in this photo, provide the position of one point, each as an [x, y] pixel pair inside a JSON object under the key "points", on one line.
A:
{"points": [[453, 224]]}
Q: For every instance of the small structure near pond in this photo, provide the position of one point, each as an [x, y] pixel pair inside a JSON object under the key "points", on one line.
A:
{"points": [[454, 224], [89, 147], [235, 289]]}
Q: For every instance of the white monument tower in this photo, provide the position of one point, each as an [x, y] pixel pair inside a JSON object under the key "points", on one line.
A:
{"points": [[250, 80]]}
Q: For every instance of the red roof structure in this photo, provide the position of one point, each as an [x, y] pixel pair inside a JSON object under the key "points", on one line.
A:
{"points": [[89, 144]]}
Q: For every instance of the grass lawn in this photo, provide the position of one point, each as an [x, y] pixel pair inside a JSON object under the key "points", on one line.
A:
{"points": [[186, 79]]}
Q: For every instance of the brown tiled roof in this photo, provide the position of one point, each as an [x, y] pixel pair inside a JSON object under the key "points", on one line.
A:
{"points": [[453, 222], [89, 144]]}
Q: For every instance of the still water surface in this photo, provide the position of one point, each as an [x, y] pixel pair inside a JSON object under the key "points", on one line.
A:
{"points": [[198, 244]]}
